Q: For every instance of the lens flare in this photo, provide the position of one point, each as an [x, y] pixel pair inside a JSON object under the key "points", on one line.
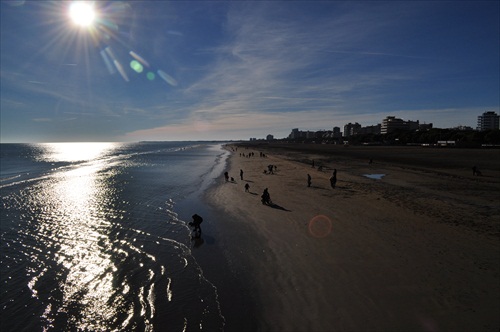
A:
{"points": [[136, 66], [169, 79], [139, 58], [320, 226], [120, 69], [107, 62]]}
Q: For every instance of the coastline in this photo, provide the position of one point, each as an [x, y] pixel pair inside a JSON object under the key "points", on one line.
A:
{"points": [[417, 250], [210, 252]]}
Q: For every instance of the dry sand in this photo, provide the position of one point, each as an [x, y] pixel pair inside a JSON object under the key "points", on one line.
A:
{"points": [[418, 250]]}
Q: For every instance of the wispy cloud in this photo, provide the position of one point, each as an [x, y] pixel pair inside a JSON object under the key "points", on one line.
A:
{"points": [[271, 66]]}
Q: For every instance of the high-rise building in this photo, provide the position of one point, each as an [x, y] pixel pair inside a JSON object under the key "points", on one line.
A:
{"points": [[391, 123], [351, 129], [489, 120]]}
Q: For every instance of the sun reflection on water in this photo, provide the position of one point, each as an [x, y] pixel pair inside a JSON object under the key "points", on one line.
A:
{"points": [[81, 235], [88, 265], [71, 152]]}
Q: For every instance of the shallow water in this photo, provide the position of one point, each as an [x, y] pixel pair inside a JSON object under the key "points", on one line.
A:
{"points": [[374, 176], [91, 238]]}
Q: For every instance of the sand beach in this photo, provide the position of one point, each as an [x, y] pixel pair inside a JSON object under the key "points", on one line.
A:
{"points": [[408, 242]]}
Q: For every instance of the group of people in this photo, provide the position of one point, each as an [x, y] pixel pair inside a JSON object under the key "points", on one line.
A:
{"points": [[270, 169], [265, 197], [226, 176]]}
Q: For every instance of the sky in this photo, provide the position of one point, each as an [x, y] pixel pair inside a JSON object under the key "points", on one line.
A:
{"points": [[231, 70]]}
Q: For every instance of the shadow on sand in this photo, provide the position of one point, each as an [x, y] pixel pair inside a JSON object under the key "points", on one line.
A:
{"points": [[276, 206]]}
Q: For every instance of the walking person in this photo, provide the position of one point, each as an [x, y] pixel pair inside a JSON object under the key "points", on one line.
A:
{"points": [[308, 180], [333, 179], [266, 198]]}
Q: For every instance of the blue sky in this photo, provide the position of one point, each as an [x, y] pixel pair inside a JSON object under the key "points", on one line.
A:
{"points": [[241, 69]]}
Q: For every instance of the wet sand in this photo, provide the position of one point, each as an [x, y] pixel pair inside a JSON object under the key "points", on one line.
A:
{"points": [[417, 250]]}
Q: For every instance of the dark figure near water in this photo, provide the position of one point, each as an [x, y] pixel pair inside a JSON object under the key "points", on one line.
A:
{"points": [[247, 187], [266, 198], [241, 174], [197, 220], [333, 179], [226, 175], [308, 180]]}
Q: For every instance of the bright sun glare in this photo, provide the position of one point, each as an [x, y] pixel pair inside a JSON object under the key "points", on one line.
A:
{"points": [[82, 13]]}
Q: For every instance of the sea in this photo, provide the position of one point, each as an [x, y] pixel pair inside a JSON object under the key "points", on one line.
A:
{"points": [[92, 238]]}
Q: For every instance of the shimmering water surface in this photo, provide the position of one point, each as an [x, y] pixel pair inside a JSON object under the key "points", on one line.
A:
{"points": [[90, 237]]}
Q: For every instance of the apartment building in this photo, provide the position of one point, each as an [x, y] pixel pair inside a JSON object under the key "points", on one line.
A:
{"points": [[488, 120]]}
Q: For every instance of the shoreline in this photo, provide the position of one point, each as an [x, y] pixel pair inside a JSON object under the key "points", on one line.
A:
{"points": [[390, 254], [210, 253]]}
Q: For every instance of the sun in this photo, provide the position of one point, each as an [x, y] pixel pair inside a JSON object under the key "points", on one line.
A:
{"points": [[82, 13]]}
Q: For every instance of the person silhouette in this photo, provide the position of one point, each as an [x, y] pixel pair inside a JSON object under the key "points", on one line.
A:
{"points": [[197, 220], [333, 179], [266, 198]]}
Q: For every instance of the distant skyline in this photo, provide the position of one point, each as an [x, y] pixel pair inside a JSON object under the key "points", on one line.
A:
{"points": [[216, 70]]}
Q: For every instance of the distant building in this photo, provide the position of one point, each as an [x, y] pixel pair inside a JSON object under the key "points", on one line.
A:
{"points": [[336, 132], [489, 120], [391, 123], [375, 129], [425, 126], [351, 129], [464, 128], [299, 134], [294, 134], [310, 134], [412, 125]]}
